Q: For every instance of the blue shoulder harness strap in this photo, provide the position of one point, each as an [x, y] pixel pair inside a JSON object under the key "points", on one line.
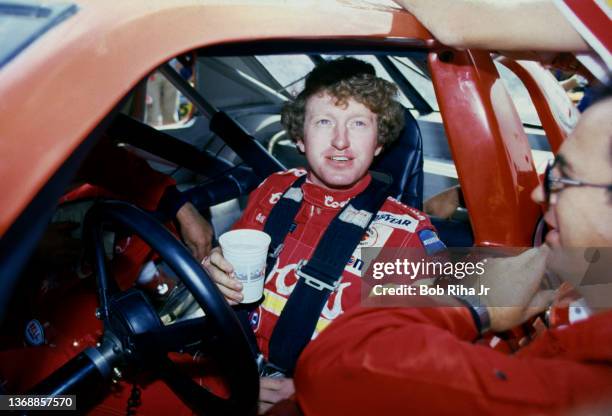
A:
{"points": [[320, 275], [280, 220]]}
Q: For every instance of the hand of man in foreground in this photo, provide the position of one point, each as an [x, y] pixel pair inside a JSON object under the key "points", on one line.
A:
{"points": [[514, 283], [273, 390]]}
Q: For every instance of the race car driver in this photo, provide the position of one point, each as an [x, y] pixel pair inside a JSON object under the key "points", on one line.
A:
{"points": [[341, 121]]}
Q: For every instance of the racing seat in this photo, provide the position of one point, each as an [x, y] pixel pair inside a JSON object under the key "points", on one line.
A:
{"points": [[403, 162]]}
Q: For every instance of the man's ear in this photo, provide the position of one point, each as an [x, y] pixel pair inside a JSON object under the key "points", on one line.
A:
{"points": [[379, 149], [300, 145]]}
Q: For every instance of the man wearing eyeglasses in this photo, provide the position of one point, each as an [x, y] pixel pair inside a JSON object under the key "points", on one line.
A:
{"points": [[577, 187], [427, 360]]}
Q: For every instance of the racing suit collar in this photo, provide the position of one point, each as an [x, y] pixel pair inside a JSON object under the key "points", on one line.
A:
{"points": [[333, 199]]}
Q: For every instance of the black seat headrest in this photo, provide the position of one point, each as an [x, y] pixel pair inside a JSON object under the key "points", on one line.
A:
{"points": [[403, 162]]}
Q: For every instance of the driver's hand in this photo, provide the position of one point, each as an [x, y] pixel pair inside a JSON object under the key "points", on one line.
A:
{"points": [[273, 390], [222, 273], [196, 231]]}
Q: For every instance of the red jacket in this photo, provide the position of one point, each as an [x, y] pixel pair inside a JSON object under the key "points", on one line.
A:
{"points": [[422, 361], [396, 226]]}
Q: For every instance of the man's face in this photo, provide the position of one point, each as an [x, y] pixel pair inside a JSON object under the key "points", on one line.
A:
{"points": [[339, 141], [582, 216]]}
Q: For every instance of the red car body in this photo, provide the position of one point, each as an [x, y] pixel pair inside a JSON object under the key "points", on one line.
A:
{"points": [[60, 89]]}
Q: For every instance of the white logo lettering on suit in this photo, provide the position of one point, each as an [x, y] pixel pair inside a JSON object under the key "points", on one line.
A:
{"points": [[336, 309], [329, 202], [281, 279], [275, 197]]}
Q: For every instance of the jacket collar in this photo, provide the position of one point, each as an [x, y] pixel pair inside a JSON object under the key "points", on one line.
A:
{"points": [[331, 198]]}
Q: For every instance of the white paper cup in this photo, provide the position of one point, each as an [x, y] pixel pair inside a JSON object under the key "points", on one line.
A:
{"points": [[247, 251]]}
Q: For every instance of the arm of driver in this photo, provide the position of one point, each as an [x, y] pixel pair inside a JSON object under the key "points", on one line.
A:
{"points": [[196, 231], [222, 273], [503, 25]]}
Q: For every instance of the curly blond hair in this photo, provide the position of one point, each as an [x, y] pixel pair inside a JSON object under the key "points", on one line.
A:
{"points": [[343, 79]]}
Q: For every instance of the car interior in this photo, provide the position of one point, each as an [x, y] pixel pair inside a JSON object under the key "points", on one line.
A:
{"points": [[227, 139]]}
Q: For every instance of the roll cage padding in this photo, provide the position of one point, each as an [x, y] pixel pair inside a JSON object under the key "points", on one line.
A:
{"points": [[229, 185], [403, 161], [160, 144], [240, 181], [245, 146]]}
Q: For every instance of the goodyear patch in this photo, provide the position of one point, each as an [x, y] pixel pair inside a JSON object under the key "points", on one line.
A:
{"points": [[401, 221], [431, 242]]}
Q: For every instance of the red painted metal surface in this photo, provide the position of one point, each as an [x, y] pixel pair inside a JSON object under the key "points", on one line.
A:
{"points": [[70, 326], [486, 137], [57, 90], [68, 318]]}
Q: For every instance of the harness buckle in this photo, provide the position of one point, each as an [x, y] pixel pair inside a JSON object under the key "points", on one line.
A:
{"points": [[313, 281], [268, 369]]}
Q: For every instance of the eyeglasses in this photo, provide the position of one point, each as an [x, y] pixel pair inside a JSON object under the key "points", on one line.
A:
{"points": [[554, 184]]}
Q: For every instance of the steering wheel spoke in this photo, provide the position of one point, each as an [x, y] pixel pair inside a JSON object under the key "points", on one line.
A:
{"points": [[180, 336], [199, 399]]}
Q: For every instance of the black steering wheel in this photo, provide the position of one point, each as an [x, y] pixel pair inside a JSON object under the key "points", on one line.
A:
{"points": [[136, 340]]}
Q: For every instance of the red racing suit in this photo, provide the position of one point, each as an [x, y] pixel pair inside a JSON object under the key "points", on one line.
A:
{"points": [[422, 361], [395, 225]]}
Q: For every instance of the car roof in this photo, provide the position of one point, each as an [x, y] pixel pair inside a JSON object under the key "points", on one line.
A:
{"points": [[61, 86]]}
